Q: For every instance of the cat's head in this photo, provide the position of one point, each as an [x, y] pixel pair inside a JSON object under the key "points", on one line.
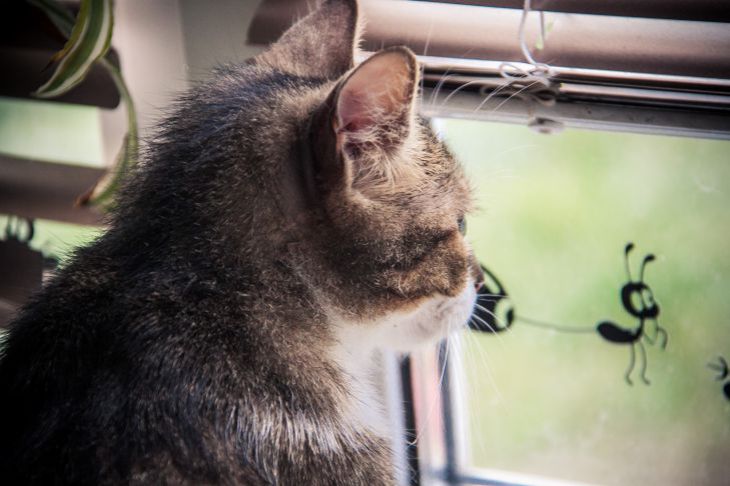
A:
{"points": [[389, 198], [301, 159]]}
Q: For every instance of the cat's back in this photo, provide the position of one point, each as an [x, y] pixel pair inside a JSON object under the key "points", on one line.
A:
{"points": [[46, 373], [92, 364]]}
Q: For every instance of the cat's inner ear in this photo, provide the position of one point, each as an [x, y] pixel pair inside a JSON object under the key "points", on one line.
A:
{"points": [[374, 110], [322, 44]]}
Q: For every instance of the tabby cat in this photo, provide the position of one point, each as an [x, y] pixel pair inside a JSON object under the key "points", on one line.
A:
{"points": [[291, 217]]}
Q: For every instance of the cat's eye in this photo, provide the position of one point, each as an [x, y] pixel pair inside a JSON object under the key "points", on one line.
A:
{"points": [[462, 225]]}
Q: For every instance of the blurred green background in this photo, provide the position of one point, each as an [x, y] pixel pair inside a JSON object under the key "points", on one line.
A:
{"points": [[53, 239], [52, 132], [555, 214]]}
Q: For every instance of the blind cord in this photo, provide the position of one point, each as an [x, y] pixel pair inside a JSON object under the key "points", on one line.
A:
{"points": [[535, 85]]}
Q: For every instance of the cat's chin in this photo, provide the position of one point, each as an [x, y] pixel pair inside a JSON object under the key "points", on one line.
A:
{"points": [[412, 329], [430, 322]]}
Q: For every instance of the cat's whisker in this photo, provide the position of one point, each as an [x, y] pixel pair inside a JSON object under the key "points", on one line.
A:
{"points": [[491, 313], [502, 153], [516, 93], [450, 95], [434, 400], [501, 322], [444, 363], [460, 384], [469, 376], [488, 300], [492, 329], [490, 297], [490, 96], [439, 85], [426, 45], [488, 325], [477, 362], [482, 353], [498, 91]]}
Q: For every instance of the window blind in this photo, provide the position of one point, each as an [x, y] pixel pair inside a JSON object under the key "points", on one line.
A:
{"points": [[659, 67]]}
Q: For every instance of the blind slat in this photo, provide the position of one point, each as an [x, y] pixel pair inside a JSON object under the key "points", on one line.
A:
{"points": [[659, 46], [704, 10], [652, 75]]}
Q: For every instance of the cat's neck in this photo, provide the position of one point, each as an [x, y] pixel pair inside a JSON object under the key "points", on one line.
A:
{"points": [[356, 352]]}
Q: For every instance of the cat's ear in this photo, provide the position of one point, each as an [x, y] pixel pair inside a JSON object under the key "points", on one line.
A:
{"points": [[374, 107], [360, 134], [322, 44]]}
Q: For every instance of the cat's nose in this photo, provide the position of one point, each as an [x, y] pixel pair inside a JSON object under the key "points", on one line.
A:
{"points": [[478, 275], [478, 284]]}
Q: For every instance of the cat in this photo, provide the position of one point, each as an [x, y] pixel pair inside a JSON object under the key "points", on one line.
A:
{"points": [[292, 216]]}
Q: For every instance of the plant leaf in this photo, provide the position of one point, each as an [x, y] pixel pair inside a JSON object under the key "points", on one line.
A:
{"points": [[90, 39], [103, 191]]}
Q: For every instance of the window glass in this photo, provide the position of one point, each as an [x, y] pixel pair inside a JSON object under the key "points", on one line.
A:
{"points": [[51, 131], [54, 239], [549, 395]]}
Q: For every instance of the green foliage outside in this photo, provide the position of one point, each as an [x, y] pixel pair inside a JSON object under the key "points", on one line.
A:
{"points": [[555, 214], [53, 238]]}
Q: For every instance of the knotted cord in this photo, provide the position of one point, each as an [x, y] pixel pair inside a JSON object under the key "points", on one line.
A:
{"points": [[534, 84]]}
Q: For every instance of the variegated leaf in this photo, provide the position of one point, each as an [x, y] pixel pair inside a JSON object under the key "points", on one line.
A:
{"points": [[89, 41]]}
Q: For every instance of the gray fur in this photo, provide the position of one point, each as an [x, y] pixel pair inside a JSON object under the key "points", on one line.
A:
{"points": [[193, 342]]}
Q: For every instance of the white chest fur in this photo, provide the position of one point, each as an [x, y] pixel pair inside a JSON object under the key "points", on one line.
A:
{"points": [[358, 345]]}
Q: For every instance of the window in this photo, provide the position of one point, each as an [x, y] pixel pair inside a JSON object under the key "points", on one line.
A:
{"points": [[546, 400]]}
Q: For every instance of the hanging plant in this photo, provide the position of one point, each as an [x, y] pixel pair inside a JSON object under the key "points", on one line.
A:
{"points": [[88, 39]]}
